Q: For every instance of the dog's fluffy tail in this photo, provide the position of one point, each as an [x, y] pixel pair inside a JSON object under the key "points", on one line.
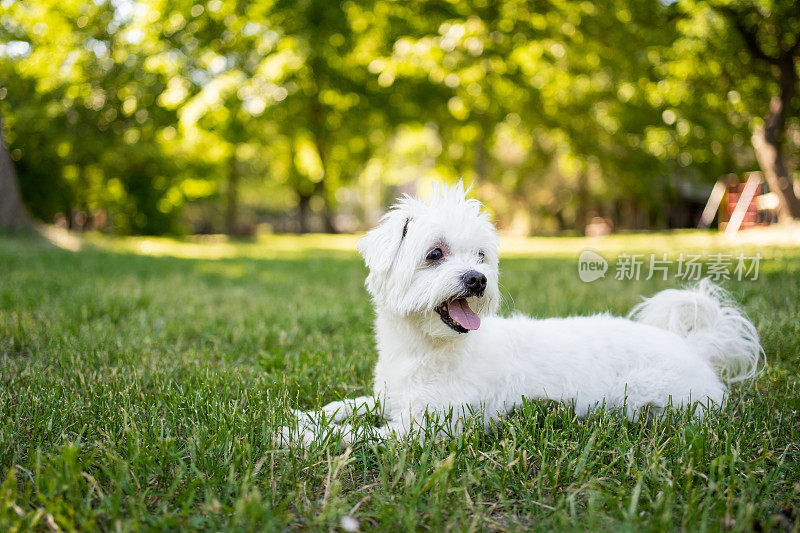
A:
{"points": [[710, 321]]}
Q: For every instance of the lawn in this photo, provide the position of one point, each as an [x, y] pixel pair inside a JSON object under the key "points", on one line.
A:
{"points": [[142, 382]]}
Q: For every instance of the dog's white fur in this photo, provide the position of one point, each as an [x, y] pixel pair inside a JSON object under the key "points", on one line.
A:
{"points": [[677, 348]]}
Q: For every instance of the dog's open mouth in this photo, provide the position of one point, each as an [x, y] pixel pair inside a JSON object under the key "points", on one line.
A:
{"points": [[458, 316]]}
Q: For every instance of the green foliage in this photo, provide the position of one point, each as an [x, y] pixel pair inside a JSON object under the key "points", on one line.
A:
{"points": [[127, 112], [144, 392], [83, 120]]}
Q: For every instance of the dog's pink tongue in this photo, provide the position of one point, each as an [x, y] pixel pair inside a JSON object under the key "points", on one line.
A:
{"points": [[461, 313]]}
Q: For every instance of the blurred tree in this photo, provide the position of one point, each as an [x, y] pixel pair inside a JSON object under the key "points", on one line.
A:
{"points": [[736, 63], [247, 111], [771, 34], [12, 213], [288, 68], [212, 53], [334, 111], [84, 120], [589, 104], [543, 105]]}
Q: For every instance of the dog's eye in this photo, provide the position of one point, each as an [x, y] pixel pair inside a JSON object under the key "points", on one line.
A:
{"points": [[435, 255], [481, 256]]}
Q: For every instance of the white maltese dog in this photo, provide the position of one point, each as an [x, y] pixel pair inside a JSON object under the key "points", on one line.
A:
{"points": [[433, 278]]}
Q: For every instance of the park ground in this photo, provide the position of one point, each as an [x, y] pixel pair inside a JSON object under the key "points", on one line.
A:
{"points": [[142, 382]]}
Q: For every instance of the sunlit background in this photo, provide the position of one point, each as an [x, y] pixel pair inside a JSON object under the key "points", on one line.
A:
{"points": [[253, 117]]}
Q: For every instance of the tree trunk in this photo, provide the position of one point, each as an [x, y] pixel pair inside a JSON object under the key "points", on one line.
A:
{"points": [[232, 207], [582, 213], [629, 214], [327, 209], [321, 190], [304, 212], [12, 212], [767, 142], [318, 118], [776, 173]]}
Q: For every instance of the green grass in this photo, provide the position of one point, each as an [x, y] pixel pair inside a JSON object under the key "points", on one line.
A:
{"points": [[142, 382]]}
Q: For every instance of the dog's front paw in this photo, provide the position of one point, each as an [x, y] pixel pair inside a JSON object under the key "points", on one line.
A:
{"points": [[305, 436], [300, 435], [305, 419]]}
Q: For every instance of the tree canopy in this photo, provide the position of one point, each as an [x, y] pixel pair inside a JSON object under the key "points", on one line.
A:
{"points": [[153, 116]]}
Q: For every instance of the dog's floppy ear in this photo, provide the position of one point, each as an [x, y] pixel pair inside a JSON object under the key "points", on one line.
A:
{"points": [[380, 245]]}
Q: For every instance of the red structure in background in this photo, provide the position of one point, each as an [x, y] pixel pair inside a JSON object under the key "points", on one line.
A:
{"points": [[732, 194], [738, 205]]}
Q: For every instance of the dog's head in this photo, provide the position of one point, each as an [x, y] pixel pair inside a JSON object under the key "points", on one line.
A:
{"points": [[434, 262]]}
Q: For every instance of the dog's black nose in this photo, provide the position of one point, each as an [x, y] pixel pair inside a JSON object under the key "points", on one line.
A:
{"points": [[475, 282]]}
